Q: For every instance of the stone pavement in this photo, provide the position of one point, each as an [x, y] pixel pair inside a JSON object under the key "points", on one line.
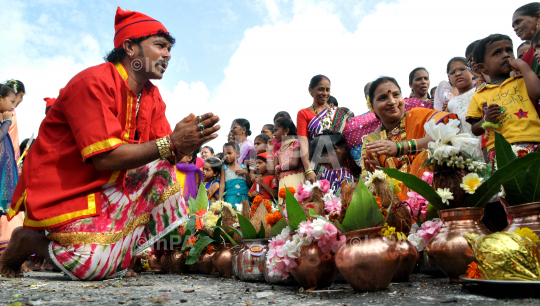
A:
{"points": [[47, 288]]}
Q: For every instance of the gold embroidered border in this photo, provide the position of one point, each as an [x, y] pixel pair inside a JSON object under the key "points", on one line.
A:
{"points": [[174, 189], [98, 238]]}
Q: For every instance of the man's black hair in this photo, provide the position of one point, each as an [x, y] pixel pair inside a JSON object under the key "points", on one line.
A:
{"points": [[117, 54]]}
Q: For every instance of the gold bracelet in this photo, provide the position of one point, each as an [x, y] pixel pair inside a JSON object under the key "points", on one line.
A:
{"points": [[164, 147]]}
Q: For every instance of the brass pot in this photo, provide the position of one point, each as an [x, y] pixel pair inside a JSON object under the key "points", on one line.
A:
{"points": [[449, 249], [525, 215], [222, 259], [367, 260], [314, 268], [408, 255], [204, 263]]}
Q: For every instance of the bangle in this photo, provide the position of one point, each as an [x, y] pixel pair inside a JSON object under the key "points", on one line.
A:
{"points": [[270, 158], [398, 145], [164, 148], [308, 171], [8, 119]]}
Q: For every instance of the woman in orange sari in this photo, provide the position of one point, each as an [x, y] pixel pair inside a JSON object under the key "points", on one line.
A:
{"points": [[400, 141]]}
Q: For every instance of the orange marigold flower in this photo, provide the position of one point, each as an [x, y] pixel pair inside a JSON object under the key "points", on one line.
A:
{"points": [[401, 197], [209, 249], [522, 153], [378, 201], [384, 212], [268, 206], [283, 192], [473, 271], [257, 200]]}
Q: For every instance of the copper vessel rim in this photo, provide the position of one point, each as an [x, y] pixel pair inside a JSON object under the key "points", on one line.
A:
{"points": [[374, 231], [261, 240], [461, 213], [523, 210]]}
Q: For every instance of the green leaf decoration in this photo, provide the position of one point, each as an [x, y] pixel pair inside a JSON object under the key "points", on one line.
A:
{"points": [[201, 202], [248, 230], [190, 226], [228, 237], [196, 251], [216, 235], [262, 233], [232, 229], [340, 227], [363, 211], [492, 186], [417, 185], [514, 186], [313, 214], [295, 212], [531, 186], [431, 213], [278, 227]]}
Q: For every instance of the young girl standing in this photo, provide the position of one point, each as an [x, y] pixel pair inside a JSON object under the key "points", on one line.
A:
{"points": [[233, 176], [461, 78], [8, 164], [211, 172], [289, 168]]}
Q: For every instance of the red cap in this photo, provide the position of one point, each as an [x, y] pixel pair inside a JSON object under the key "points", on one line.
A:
{"points": [[129, 24], [262, 156], [49, 101]]}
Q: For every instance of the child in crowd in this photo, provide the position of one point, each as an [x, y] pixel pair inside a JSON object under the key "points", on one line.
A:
{"points": [[264, 184], [8, 163], [234, 177], [260, 143], [506, 104], [211, 172], [189, 175], [268, 130], [460, 76], [523, 48], [288, 166]]}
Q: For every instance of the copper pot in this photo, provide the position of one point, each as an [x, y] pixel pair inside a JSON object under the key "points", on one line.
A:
{"points": [[408, 255], [367, 260], [314, 268], [155, 263], [204, 263], [449, 249], [222, 259], [525, 215], [174, 262]]}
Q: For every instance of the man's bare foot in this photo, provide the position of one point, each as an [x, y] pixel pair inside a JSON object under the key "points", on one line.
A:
{"points": [[130, 273], [23, 243], [29, 266]]}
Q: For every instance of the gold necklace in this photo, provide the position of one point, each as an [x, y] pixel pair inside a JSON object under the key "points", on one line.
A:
{"points": [[324, 124]]}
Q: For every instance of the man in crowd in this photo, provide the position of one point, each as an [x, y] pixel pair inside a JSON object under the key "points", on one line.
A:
{"points": [[100, 178]]}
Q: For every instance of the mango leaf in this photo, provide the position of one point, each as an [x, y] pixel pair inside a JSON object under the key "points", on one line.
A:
{"points": [[232, 229], [417, 185], [248, 231], [492, 186], [431, 213], [531, 186], [196, 251], [363, 211], [190, 226], [295, 212], [278, 227], [228, 237], [262, 233], [313, 214], [201, 202], [216, 235], [514, 186], [340, 227]]}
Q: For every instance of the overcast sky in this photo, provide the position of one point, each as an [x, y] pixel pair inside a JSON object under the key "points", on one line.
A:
{"points": [[247, 59]]}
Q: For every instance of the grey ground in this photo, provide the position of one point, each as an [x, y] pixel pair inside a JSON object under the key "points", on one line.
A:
{"points": [[47, 288]]}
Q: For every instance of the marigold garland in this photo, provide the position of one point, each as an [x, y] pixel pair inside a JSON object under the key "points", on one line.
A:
{"points": [[401, 197], [473, 271], [257, 201], [283, 192], [273, 218], [378, 201]]}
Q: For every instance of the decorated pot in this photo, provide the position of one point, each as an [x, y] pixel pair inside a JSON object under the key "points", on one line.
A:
{"points": [[314, 268], [525, 215], [234, 250], [204, 263], [408, 255], [250, 259], [174, 262], [155, 264], [367, 260], [222, 259], [276, 279], [449, 249]]}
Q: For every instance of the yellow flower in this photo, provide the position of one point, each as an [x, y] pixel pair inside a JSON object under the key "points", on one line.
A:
{"points": [[146, 266], [388, 231], [471, 182], [401, 236], [396, 183], [527, 232]]}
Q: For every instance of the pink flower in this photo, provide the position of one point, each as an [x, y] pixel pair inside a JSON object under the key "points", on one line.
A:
{"points": [[324, 186], [428, 177], [416, 203], [302, 195], [333, 206], [305, 228], [430, 229]]}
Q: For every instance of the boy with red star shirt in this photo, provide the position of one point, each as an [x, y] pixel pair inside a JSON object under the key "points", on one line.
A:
{"points": [[507, 104]]}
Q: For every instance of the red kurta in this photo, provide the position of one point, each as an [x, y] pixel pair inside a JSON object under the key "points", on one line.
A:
{"points": [[94, 113]]}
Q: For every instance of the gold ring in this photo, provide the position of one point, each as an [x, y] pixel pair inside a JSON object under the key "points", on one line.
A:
{"points": [[199, 119], [202, 133]]}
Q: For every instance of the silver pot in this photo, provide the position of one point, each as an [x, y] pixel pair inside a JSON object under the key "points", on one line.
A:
{"points": [[234, 260], [251, 259]]}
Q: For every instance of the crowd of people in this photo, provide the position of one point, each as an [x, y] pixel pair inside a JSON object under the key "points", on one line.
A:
{"points": [[122, 175]]}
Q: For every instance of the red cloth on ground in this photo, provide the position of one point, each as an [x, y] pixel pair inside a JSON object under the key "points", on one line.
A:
{"points": [[303, 118], [269, 180], [94, 113]]}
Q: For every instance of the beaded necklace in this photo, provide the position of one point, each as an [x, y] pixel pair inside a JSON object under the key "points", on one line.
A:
{"points": [[325, 124], [397, 134]]}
